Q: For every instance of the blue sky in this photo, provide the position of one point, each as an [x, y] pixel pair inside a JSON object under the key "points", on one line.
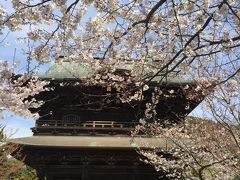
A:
{"points": [[18, 126]]}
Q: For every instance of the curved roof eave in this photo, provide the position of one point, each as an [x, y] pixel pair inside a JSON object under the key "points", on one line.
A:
{"points": [[93, 142]]}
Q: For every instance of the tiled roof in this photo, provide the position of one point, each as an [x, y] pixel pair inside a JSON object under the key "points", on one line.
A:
{"points": [[73, 70]]}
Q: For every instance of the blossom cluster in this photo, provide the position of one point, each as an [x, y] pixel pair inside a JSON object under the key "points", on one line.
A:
{"points": [[16, 92]]}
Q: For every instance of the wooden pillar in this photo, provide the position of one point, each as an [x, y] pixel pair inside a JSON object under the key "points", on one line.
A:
{"points": [[40, 175], [84, 173]]}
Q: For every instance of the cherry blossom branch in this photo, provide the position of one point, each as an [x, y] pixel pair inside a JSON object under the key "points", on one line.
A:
{"points": [[146, 21], [235, 14], [34, 5], [186, 45], [70, 7]]}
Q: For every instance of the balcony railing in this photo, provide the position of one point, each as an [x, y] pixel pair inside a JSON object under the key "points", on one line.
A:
{"points": [[82, 127]]}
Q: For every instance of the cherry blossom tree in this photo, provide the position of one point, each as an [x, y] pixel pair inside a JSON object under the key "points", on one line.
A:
{"points": [[198, 40]]}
